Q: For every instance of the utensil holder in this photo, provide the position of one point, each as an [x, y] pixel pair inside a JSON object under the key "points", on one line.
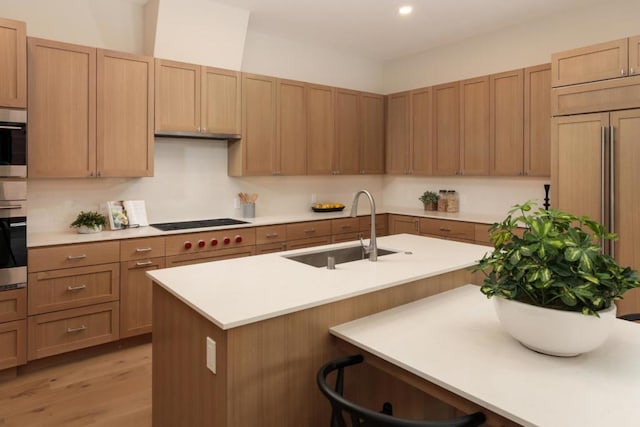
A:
{"points": [[248, 210]]}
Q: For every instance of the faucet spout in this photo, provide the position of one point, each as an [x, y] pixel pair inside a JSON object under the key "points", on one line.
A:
{"points": [[372, 250]]}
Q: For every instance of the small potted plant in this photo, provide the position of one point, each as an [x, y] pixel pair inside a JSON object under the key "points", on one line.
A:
{"points": [[89, 222], [430, 200], [554, 287]]}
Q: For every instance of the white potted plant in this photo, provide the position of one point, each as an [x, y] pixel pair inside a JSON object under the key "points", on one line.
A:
{"points": [[89, 222], [554, 287]]}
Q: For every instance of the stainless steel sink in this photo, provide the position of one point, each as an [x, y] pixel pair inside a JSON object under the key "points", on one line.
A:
{"points": [[340, 255]]}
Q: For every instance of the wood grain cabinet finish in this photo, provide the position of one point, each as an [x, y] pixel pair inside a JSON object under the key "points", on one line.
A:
{"points": [[78, 255], [271, 234], [474, 126], [398, 149], [13, 305], [135, 295], [446, 130], [255, 154], [13, 63], [308, 234], [348, 131], [507, 123], [13, 344], [403, 224], [141, 249], [452, 230], [537, 120], [195, 98], [345, 229], [320, 129], [372, 144], [601, 61], [90, 111], [291, 142], [67, 330], [381, 225]]}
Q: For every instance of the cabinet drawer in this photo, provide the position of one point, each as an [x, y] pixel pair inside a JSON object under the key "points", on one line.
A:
{"points": [[381, 225], [450, 229], [268, 248], [347, 237], [304, 230], [68, 330], [51, 258], [271, 234], [133, 249], [196, 258], [307, 243], [481, 234], [191, 243], [135, 296], [73, 287], [13, 305], [13, 344], [345, 225], [609, 95]]}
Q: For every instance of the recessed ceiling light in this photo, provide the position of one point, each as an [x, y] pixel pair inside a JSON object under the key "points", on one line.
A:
{"points": [[405, 10]]}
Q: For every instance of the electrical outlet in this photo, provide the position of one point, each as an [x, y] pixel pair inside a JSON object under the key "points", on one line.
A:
{"points": [[211, 355], [236, 203]]}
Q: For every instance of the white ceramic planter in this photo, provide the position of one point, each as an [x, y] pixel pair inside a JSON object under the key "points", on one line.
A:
{"points": [[83, 229], [554, 332]]}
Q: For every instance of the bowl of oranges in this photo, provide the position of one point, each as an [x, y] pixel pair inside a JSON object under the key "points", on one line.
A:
{"points": [[327, 207]]}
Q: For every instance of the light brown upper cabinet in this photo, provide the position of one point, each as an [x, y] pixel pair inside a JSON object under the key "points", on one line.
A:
{"points": [[197, 99], [291, 147], [602, 61], [474, 126], [13, 63], [446, 130], [255, 154], [91, 112], [421, 151], [320, 129], [372, 143], [398, 133], [348, 133], [537, 120], [507, 123]]}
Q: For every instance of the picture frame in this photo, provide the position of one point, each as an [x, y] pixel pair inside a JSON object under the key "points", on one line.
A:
{"points": [[116, 215]]}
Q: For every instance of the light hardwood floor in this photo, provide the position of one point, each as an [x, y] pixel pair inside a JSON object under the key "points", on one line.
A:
{"points": [[109, 389]]}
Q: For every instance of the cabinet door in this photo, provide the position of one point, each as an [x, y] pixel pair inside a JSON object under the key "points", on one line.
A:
{"points": [[398, 133], [13, 63], [135, 296], [13, 344], [446, 130], [348, 132], [399, 224], [372, 131], [591, 63], [634, 55], [177, 96], [626, 212], [292, 128], [576, 164], [221, 106], [537, 120], [125, 97], [474, 126], [507, 123], [62, 109], [320, 129], [421, 147], [259, 124]]}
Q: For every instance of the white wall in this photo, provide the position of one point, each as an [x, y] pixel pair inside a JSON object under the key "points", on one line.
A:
{"points": [[515, 47]]}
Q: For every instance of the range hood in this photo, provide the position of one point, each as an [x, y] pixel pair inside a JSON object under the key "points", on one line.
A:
{"points": [[201, 32], [199, 135]]}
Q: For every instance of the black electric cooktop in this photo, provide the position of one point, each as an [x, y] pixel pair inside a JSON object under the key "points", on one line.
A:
{"points": [[185, 225]]}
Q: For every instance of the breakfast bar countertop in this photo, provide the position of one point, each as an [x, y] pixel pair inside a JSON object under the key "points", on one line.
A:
{"points": [[454, 340], [236, 292]]}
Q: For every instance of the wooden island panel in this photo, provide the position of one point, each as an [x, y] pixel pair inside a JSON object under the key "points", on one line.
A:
{"points": [[266, 370]]}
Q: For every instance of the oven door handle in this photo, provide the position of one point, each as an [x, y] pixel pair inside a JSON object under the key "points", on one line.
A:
{"points": [[11, 127], [7, 207]]}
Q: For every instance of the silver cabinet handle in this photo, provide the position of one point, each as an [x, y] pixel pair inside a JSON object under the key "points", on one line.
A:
{"points": [[71, 257], [76, 288], [445, 229], [143, 263], [612, 188], [11, 207], [603, 138], [271, 235], [622, 72], [143, 250], [632, 70], [346, 227], [313, 230], [72, 330]]}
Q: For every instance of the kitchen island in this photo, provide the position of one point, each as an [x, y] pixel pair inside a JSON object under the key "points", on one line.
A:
{"points": [[269, 317]]}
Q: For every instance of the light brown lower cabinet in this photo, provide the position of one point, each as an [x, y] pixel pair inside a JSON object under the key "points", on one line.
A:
{"points": [[67, 330], [135, 296], [13, 344], [451, 230], [199, 257], [399, 224]]}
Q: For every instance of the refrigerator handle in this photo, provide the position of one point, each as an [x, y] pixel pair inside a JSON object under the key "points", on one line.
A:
{"points": [[612, 189], [603, 142]]}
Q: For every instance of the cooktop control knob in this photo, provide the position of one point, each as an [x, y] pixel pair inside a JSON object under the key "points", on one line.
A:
{"points": [[201, 243], [187, 245], [227, 240], [214, 242], [238, 239]]}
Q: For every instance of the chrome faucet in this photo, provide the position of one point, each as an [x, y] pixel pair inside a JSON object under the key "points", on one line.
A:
{"points": [[372, 250]]}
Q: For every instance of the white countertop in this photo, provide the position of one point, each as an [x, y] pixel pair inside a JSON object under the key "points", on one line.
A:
{"points": [[235, 292], [454, 340], [70, 236]]}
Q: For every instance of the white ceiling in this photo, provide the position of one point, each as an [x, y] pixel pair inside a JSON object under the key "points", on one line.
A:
{"points": [[374, 29]]}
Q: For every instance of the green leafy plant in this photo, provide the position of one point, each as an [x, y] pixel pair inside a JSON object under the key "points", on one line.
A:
{"points": [[429, 197], [89, 219], [556, 263]]}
